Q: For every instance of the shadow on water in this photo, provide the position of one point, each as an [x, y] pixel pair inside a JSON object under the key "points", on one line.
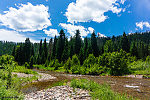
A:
{"points": [[139, 88]]}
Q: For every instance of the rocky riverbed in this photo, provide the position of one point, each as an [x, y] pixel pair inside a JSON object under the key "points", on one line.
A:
{"points": [[59, 93], [41, 76]]}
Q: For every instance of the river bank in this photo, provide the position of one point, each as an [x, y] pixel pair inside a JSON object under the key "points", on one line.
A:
{"points": [[136, 87]]}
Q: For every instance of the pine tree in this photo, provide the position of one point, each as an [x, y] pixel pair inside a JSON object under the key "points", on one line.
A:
{"points": [[40, 48], [89, 50], [65, 54], [13, 53], [60, 45], [125, 43], [77, 42], [133, 50], [54, 48], [81, 56], [71, 50], [50, 46], [31, 62], [27, 50], [32, 51], [108, 47], [85, 47], [45, 51], [94, 45]]}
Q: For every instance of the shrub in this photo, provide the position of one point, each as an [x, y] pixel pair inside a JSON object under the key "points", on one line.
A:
{"points": [[148, 59], [7, 59], [75, 60], [90, 61], [68, 65]]}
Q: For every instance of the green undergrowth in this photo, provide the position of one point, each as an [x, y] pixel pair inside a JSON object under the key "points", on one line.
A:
{"points": [[140, 67], [97, 91], [11, 84], [22, 69], [60, 69]]}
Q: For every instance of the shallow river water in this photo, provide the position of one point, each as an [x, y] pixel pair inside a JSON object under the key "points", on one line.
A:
{"points": [[139, 88]]}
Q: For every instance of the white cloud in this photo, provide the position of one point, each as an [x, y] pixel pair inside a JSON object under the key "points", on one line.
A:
{"points": [[51, 32], [91, 10], [142, 24], [101, 35], [91, 29], [72, 29], [122, 1], [26, 18], [6, 35]]}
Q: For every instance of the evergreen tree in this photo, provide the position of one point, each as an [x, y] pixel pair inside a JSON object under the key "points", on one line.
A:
{"points": [[27, 50], [31, 62], [89, 50], [32, 51], [50, 47], [40, 48], [60, 45], [65, 54], [85, 47], [77, 42], [71, 50], [133, 50], [108, 47], [13, 53], [125, 43], [45, 52], [94, 45], [81, 56], [54, 48]]}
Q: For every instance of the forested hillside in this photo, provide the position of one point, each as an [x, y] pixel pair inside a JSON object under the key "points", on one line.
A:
{"points": [[6, 47], [61, 50]]}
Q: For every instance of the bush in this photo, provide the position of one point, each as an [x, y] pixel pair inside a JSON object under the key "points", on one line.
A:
{"points": [[90, 61], [148, 59], [75, 69], [75, 60], [115, 63], [7, 59], [139, 67], [68, 65]]}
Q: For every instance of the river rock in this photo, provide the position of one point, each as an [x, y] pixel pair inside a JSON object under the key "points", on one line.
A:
{"points": [[59, 93]]}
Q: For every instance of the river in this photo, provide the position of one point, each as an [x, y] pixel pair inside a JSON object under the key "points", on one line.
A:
{"points": [[136, 87]]}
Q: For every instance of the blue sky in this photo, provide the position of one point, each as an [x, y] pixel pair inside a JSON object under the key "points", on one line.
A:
{"points": [[39, 19]]}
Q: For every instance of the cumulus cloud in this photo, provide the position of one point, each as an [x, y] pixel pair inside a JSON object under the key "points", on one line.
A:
{"points": [[72, 29], [91, 10], [51, 32], [142, 24], [6, 35], [26, 17]]}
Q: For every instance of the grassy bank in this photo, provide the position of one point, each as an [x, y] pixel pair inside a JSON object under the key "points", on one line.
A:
{"points": [[10, 85], [97, 91]]}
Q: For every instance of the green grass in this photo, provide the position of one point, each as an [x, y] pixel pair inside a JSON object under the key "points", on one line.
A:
{"points": [[97, 91], [140, 67], [22, 69], [12, 89], [60, 83], [60, 69]]}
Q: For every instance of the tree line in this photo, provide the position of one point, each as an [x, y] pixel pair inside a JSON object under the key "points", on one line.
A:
{"points": [[62, 47]]}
